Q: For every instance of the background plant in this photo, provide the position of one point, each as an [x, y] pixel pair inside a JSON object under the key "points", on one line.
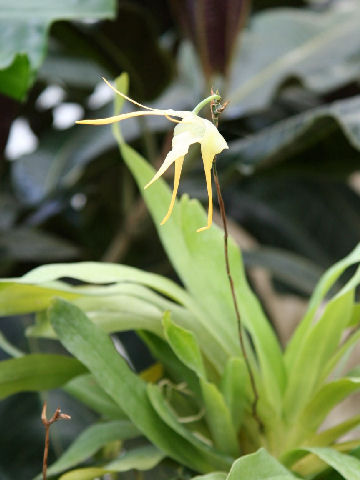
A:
{"points": [[196, 409], [42, 216]]}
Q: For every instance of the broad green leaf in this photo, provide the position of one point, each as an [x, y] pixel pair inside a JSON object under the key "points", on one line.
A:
{"points": [[95, 349], [219, 419], [85, 389], [283, 43], [90, 441], [259, 466], [296, 134], [32, 245], [142, 458], [235, 388], [24, 27], [323, 287], [37, 372], [195, 257], [184, 345]]}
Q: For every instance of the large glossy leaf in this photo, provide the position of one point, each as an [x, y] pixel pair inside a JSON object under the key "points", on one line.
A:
{"points": [[95, 349], [31, 245], [293, 136], [90, 441], [37, 372], [320, 49], [23, 35]]}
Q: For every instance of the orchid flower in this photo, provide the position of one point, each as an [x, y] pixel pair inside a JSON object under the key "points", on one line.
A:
{"points": [[189, 130]]}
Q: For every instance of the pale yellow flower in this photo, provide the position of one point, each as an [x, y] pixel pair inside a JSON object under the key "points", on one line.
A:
{"points": [[190, 129]]}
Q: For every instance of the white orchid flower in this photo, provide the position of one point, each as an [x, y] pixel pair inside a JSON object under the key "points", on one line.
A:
{"points": [[190, 129]]}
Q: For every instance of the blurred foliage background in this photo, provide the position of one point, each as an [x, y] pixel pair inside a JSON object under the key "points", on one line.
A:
{"points": [[291, 178]]}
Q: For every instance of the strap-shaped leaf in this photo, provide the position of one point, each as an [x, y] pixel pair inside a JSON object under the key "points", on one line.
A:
{"points": [[197, 257], [184, 345], [37, 372], [90, 441], [94, 348], [323, 287], [347, 465], [87, 391], [142, 458]]}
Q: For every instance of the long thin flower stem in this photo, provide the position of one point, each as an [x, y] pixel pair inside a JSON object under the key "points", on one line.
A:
{"points": [[231, 281]]}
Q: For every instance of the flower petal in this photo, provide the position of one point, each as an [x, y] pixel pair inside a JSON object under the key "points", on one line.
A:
{"points": [[137, 113], [207, 160], [212, 143], [178, 167], [184, 136]]}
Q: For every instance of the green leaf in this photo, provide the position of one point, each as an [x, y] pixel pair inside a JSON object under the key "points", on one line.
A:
{"points": [[23, 35], [325, 400], [234, 387], [17, 298], [168, 415], [184, 344], [204, 254], [142, 458], [211, 476], [37, 372], [259, 466], [32, 245], [90, 441], [177, 371], [191, 252], [294, 135], [316, 349], [87, 391], [317, 49], [329, 436], [95, 349], [219, 419], [346, 465], [326, 282]]}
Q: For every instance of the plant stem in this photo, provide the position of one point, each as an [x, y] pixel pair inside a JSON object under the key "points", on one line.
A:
{"points": [[233, 294], [216, 110], [58, 415]]}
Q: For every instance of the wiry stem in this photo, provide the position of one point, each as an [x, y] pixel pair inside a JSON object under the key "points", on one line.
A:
{"points": [[215, 111], [47, 424]]}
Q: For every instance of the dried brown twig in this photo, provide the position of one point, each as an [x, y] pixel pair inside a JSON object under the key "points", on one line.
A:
{"points": [[47, 424]]}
